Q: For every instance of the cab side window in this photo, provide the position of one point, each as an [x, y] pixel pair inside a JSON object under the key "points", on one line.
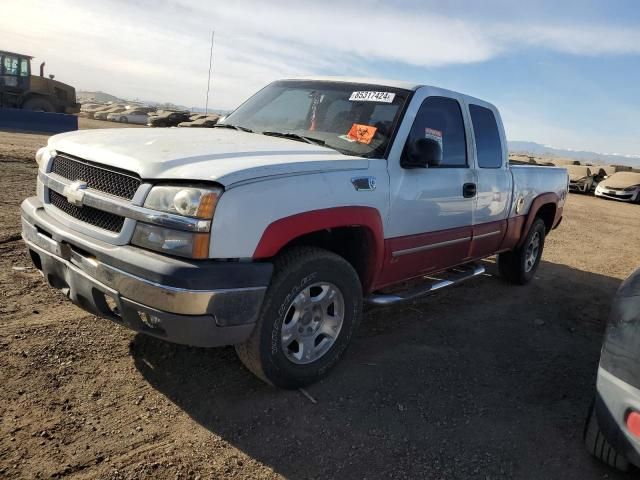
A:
{"points": [[440, 119], [24, 67], [10, 65], [485, 129]]}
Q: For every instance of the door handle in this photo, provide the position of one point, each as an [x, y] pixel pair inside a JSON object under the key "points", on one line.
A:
{"points": [[469, 190]]}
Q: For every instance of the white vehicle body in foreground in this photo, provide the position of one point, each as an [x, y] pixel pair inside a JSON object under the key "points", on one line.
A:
{"points": [[389, 181]]}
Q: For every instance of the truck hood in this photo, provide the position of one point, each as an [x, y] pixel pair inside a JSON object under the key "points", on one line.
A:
{"points": [[222, 155]]}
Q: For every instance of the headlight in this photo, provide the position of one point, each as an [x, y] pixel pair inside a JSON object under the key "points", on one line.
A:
{"points": [[198, 202], [188, 201], [42, 156], [631, 188]]}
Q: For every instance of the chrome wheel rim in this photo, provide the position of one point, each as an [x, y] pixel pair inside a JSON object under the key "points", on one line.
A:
{"points": [[533, 249], [312, 323]]}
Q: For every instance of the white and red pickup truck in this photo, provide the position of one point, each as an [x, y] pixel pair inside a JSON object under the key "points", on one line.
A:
{"points": [[271, 231]]}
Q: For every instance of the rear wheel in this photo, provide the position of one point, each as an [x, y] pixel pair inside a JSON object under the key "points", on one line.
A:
{"points": [[598, 446], [38, 104], [520, 265], [310, 311]]}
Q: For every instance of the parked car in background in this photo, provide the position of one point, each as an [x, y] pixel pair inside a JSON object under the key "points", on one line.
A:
{"points": [[102, 114], [580, 178], [138, 116], [167, 118], [90, 111], [89, 106], [622, 186], [612, 431], [600, 173], [205, 122], [271, 230]]}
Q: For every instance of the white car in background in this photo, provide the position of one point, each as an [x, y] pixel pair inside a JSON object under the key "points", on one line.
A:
{"points": [[623, 186], [138, 116]]}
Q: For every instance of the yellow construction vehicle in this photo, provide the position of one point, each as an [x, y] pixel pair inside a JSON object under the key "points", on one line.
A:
{"points": [[20, 89]]}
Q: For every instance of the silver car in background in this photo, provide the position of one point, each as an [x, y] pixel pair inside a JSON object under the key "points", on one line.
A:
{"points": [[139, 116], [580, 178]]}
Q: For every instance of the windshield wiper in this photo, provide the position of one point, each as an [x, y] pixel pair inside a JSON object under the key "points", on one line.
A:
{"points": [[234, 127], [295, 136]]}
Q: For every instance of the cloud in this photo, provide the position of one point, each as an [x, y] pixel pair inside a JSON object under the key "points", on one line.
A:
{"points": [[160, 49]]}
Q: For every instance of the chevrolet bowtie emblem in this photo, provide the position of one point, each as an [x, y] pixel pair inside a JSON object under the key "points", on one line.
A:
{"points": [[75, 192]]}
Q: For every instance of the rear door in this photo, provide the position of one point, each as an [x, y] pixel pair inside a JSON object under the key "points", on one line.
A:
{"points": [[494, 181], [430, 219]]}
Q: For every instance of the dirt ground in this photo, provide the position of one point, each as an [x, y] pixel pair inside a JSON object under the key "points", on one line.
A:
{"points": [[483, 381]]}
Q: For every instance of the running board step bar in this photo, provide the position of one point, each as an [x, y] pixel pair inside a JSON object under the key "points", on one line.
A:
{"points": [[454, 276]]}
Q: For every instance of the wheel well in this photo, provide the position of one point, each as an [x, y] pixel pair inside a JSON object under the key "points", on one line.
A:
{"points": [[547, 213], [354, 244]]}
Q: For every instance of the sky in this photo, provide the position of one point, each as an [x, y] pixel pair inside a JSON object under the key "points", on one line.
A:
{"points": [[563, 73]]}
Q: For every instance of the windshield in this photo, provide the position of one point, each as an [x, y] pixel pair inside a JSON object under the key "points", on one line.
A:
{"points": [[352, 118]]}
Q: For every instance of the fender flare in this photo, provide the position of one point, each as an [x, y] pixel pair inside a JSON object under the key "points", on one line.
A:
{"points": [[539, 202], [283, 231]]}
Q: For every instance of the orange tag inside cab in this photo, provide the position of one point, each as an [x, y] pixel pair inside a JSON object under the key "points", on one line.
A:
{"points": [[362, 133]]}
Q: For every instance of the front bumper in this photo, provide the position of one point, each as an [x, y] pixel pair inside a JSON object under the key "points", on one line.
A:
{"points": [[619, 195], [578, 187], [614, 399], [200, 303]]}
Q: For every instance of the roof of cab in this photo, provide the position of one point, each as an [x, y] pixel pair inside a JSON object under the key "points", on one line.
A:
{"points": [[5, 52], [389, 83], [364, 80]]}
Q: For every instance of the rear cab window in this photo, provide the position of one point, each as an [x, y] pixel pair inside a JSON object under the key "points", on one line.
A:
{"points": [[487, 137]]}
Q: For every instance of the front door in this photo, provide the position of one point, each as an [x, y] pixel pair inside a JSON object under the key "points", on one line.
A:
{"points": [[430, 219]]}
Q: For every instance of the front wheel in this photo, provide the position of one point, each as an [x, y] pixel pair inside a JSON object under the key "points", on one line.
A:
{"points": [[520, 265], [309, 314], [38, 104], [598, 446]]}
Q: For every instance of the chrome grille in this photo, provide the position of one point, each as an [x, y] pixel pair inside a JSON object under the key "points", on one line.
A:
{"points": [[90, 215], [112, 181]]}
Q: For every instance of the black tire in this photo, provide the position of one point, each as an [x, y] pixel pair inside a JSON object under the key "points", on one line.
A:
{"points": [[38, 104], [598, 446], [514, 265], [296, 270], [124, 119]]}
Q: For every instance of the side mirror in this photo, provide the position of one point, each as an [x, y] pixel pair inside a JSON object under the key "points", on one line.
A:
{"points": [[423, 153]]}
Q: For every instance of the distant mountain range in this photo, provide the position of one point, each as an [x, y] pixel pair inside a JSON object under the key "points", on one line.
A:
{"points": [[539, 150]]}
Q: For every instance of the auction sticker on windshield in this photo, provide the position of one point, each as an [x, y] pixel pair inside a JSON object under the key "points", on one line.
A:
{"points": [[384, 97]]}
